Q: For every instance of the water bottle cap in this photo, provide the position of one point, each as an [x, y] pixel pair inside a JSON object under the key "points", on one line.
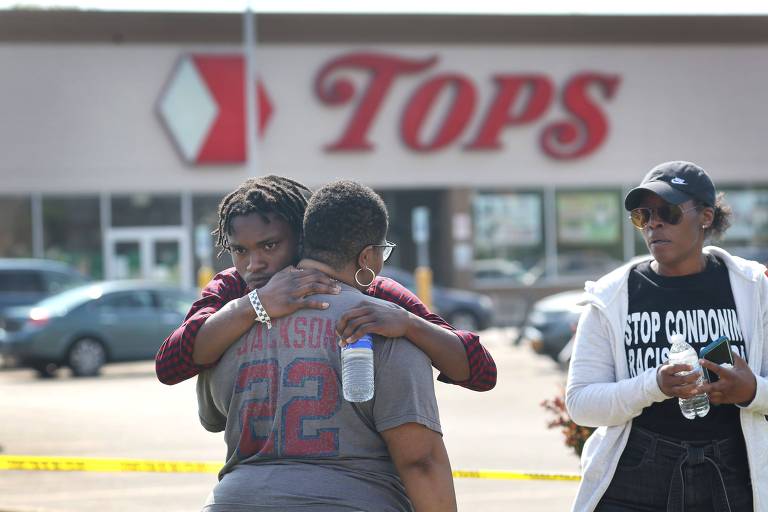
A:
{"points": [[676, 338], [365, 342]]}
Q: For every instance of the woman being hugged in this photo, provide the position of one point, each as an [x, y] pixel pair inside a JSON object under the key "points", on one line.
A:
{"points": [[645, 455]]}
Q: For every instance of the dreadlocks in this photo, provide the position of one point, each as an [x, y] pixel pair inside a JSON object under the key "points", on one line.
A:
{"points": [[263, 195]]}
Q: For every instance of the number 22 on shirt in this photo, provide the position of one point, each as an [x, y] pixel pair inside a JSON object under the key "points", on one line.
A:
{"points": [[260, 420]]}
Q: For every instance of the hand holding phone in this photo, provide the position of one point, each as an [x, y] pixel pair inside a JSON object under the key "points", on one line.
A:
{"points": [[719, 352]]}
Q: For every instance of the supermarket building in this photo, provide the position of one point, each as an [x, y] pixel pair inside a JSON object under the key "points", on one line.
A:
{"points": [[121, 132]]}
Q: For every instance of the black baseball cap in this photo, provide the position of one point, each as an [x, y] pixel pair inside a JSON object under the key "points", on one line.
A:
{"points": [[675, 182]]}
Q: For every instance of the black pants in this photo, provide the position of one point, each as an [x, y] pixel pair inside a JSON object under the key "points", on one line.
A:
{"points": [[658, 474]]}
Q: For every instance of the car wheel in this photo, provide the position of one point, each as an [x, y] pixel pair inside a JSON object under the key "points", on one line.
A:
{"points": [[86, 357], [464, 320], [45, 370]]}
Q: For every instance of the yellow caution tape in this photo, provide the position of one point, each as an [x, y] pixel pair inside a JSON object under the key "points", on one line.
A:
{"points": [[512, 475], [102, 465], [42, 463]]}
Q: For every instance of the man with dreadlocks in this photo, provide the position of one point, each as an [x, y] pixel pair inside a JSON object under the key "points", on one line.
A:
{"points": [[293, 442], [260, 225]]}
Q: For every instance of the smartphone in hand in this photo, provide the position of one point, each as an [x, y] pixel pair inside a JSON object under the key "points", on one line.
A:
{"points": [[719, 352]]}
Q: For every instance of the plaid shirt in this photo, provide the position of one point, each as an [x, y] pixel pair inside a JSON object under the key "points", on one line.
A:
{"points": [[173, 362]]}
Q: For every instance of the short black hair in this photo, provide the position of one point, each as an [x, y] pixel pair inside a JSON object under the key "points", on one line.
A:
{"points": [[265, 194], [342, 218]]}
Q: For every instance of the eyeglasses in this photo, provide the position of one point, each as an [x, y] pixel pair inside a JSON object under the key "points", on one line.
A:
{"points": [[669, 213], [388, 248]]}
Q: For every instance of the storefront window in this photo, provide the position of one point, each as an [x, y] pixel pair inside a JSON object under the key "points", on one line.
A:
{"points": [[146, 210], [15, 227], [509, 237], [205, 215], [748, 235], [72, 233], [589, 241]]}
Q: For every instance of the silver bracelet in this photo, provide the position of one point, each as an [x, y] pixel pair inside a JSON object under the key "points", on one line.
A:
{"points": [[261, 313]]}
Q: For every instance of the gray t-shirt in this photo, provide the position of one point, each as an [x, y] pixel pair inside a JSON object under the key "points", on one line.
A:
{"points": [[292, 440]]}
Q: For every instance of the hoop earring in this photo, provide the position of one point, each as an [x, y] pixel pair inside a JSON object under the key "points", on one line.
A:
{"points": [[357, 279]]}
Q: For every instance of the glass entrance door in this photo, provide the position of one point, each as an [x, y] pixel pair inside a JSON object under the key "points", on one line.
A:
{"points": [[159, 254]]}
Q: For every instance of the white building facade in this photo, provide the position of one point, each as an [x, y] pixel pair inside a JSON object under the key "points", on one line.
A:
{"points": [[122, 131]]}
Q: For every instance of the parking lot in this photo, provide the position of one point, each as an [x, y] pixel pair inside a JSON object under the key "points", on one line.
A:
{"points": [[126, 413]]}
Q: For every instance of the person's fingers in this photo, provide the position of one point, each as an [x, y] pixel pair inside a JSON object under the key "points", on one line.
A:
{"points": [[716, 397], [738, 361], [677, 368], [354, 324], [687, 390], [312, 304], [352, 313], [681, 380], [670, 383], [315, 288], [313, 277], [342, 324], [713, 367], [348, 316], [356, 327], [361, 330], [319, 277]]}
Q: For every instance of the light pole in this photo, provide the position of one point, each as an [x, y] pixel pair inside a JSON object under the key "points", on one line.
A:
{"points": [[249, 86]]}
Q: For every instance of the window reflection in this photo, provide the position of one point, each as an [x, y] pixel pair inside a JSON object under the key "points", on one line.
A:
{"points": [[509, 237], [146, 210], [15, 227], [72, 232], [589, 227]]}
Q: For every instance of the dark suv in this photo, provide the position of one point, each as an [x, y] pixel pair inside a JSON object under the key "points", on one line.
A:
{"points": [[26, 281]]}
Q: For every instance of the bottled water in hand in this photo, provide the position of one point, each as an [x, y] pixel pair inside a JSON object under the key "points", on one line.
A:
{"points": [[682, 353], [357, 370]]}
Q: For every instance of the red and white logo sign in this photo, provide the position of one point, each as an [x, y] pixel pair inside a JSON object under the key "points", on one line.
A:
{"points": [[203, 107]]}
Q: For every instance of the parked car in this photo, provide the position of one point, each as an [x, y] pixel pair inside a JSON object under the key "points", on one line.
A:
{"points": [[463, 309], [754, 253], [551, 322], [500, 270], [576, 267], [91, 325], [26, 281]]}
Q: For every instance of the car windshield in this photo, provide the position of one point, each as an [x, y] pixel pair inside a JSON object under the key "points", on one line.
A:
{"points": [[70, 299]]}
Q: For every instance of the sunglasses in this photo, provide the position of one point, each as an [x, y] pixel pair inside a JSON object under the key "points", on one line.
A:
{"points": [[388, 248], [669, 214]]}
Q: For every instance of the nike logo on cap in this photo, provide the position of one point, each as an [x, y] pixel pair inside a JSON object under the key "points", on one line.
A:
{"points": [[678, 181]]}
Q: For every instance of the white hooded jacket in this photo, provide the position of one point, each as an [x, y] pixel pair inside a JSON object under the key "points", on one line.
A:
{"points": [[600, 392]]}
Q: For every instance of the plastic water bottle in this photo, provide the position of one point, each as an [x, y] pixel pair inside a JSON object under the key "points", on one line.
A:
{"points": [[357, 370], [682, 353]]}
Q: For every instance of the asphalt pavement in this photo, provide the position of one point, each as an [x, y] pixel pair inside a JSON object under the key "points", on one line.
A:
{"points": [[126, 413]]}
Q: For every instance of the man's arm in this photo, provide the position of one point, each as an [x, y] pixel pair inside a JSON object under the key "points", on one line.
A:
{"points": [[224, 313], [459, 355], [286, 292], [388, 319], [421, 460], [173, 361]]}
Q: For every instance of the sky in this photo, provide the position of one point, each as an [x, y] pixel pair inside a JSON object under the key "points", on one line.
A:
{"points": [[625, 7]]}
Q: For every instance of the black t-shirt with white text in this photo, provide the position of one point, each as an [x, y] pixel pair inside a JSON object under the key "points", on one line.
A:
{"points": [[701, 308]]}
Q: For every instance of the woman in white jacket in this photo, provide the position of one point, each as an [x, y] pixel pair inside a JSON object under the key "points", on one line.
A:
{"points": [[645, 456]]}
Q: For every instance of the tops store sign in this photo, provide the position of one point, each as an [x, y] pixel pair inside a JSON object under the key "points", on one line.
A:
{"points": [[203, 105]]}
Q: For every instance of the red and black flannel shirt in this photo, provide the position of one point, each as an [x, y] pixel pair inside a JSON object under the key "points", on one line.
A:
{"points": [[173, 362]]}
